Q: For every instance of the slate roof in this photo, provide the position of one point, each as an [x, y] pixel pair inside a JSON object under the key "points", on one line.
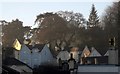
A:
{"points": [[54, 53], [16, 65], [7, 70], [13, 61], [94, 53], [107, 53]]}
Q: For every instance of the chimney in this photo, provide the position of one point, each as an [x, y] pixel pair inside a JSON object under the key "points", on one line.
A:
{"points": [[113, 52], [71, 56]]}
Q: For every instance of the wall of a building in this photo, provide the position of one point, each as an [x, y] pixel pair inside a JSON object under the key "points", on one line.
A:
{"points": [[25, 55], [64, 55], [46, 56], [37, 57], [113, 57], [95, 69]]}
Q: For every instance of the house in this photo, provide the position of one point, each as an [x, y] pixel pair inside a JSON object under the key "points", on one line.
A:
{"points": [[92, 56], [16, 66], [75, 52], [24, 54], [36, 55], [42, 54], [86, 52], [105, 57], [17, 46], [64, 55], [113, 56], [95, 55]]}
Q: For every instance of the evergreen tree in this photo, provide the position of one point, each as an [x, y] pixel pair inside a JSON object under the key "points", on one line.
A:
{"points": [[93, 20]]}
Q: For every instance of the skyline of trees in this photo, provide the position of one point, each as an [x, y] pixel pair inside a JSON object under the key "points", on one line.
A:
{"points": [[11, 31], [63, 31]]}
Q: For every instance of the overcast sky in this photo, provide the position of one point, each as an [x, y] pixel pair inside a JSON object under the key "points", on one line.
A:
{"points": [[27, 11]]}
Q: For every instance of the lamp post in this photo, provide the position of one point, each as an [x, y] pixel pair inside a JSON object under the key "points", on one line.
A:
{"points": [[113, 53], [72, 66]]}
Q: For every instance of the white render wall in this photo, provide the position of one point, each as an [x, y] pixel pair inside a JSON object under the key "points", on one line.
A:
{"points": [[46, 56], [36, 58], [25, 55], [64, 55]]}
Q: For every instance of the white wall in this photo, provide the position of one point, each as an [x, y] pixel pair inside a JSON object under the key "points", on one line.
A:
{"points": [[46, 56], [36, 58], [25, 55], [64, 55]]}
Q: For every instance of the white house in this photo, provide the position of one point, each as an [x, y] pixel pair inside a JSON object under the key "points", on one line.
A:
{"points": [[24, 54], [41, 55], [17, 46], [84, 55], [75, 53], [63, 55], [86, 52], [95, 54], [36, 55], [112, 56]]}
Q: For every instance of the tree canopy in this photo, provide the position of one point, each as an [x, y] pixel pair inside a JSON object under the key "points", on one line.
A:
{"points": [[11, 31]]}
